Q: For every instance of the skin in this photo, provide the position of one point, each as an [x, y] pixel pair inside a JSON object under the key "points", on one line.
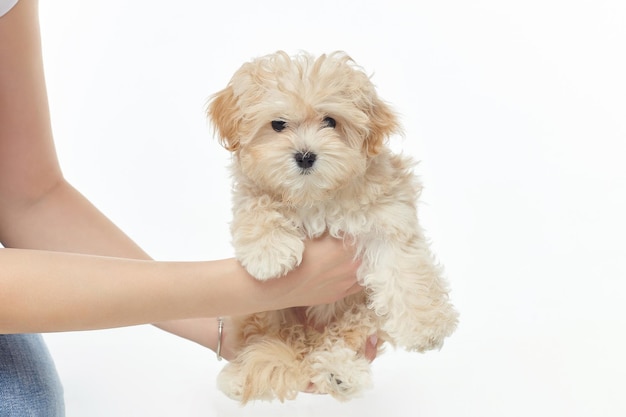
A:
{"points": [[67, 267]]}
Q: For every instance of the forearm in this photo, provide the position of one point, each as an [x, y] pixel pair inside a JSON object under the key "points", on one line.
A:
{"points": [[51, 291], [64, 220]]}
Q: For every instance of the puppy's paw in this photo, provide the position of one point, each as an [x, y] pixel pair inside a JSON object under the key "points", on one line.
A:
{"points": [[340, 373], [428, 331], [231, 383], [273, 256]]}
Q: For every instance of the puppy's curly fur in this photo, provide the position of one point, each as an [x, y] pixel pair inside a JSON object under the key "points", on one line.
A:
{"points": [[308, 137]]}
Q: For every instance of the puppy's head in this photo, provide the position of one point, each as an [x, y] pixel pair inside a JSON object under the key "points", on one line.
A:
{"points": [[301, 127]]}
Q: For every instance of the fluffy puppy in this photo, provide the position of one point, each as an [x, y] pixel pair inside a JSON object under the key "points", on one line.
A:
{"points": [[308, 137]]}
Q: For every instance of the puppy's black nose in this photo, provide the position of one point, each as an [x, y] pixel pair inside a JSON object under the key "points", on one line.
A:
{"points": [[305, 160]]}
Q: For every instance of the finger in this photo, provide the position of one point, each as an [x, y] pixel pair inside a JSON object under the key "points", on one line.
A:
{"points": [[311, 389], [354, 289], [371, 347]]}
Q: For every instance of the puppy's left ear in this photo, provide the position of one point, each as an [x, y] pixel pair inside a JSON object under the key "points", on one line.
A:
{"points": [[224, 114], [383, 123]]}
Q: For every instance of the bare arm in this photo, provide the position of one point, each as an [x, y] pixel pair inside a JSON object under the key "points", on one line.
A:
{"points": [[38, 208], [41, 214], [45, 291]]}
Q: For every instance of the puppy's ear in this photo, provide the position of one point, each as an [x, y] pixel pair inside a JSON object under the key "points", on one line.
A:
{"points": [[383, 123], [224, 114]]}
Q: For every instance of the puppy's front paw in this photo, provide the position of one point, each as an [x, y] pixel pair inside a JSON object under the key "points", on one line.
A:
{"points": [[272, 256]]}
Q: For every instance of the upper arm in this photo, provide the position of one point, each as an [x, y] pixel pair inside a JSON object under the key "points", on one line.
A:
{"points": [[28, 162]]}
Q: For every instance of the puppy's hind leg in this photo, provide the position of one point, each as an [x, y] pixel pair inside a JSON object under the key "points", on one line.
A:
{"points": [[339, 371], [263, 371], [338, 364]]}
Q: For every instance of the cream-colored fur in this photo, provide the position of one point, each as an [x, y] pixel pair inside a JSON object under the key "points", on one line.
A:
{"points": [[308, 139]]}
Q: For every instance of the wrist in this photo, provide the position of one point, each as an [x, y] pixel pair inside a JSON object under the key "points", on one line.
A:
{"points": [[220, 337], [255, 296], [229, 344]]}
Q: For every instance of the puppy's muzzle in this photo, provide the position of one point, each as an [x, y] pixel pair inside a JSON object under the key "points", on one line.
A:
{"points": [[305, 160]]}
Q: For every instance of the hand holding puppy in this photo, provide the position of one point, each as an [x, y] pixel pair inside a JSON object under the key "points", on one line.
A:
{"points": [[327, 273]]}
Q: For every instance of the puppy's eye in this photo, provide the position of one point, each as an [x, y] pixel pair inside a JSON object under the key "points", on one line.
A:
{"points": [[279, 125], [329, 122]]}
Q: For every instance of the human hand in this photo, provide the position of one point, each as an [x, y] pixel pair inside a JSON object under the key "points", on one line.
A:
{"points": [[327, 273]]}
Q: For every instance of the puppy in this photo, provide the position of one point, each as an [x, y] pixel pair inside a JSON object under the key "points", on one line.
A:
{"points": [[308, 138]]}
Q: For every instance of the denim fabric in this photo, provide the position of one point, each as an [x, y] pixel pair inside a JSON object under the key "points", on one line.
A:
{"points": [[29, 384]]}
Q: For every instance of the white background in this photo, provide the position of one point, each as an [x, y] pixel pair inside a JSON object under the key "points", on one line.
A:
{"points": [[517, 112]]}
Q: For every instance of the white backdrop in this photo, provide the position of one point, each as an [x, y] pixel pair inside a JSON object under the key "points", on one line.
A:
{"points": [[517, 111]]}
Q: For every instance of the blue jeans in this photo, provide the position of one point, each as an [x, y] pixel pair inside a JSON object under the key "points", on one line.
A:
{"points": [[29, 384]]}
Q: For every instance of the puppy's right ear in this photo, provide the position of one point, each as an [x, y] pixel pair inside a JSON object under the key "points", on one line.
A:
{"points": [[224, 114]]}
